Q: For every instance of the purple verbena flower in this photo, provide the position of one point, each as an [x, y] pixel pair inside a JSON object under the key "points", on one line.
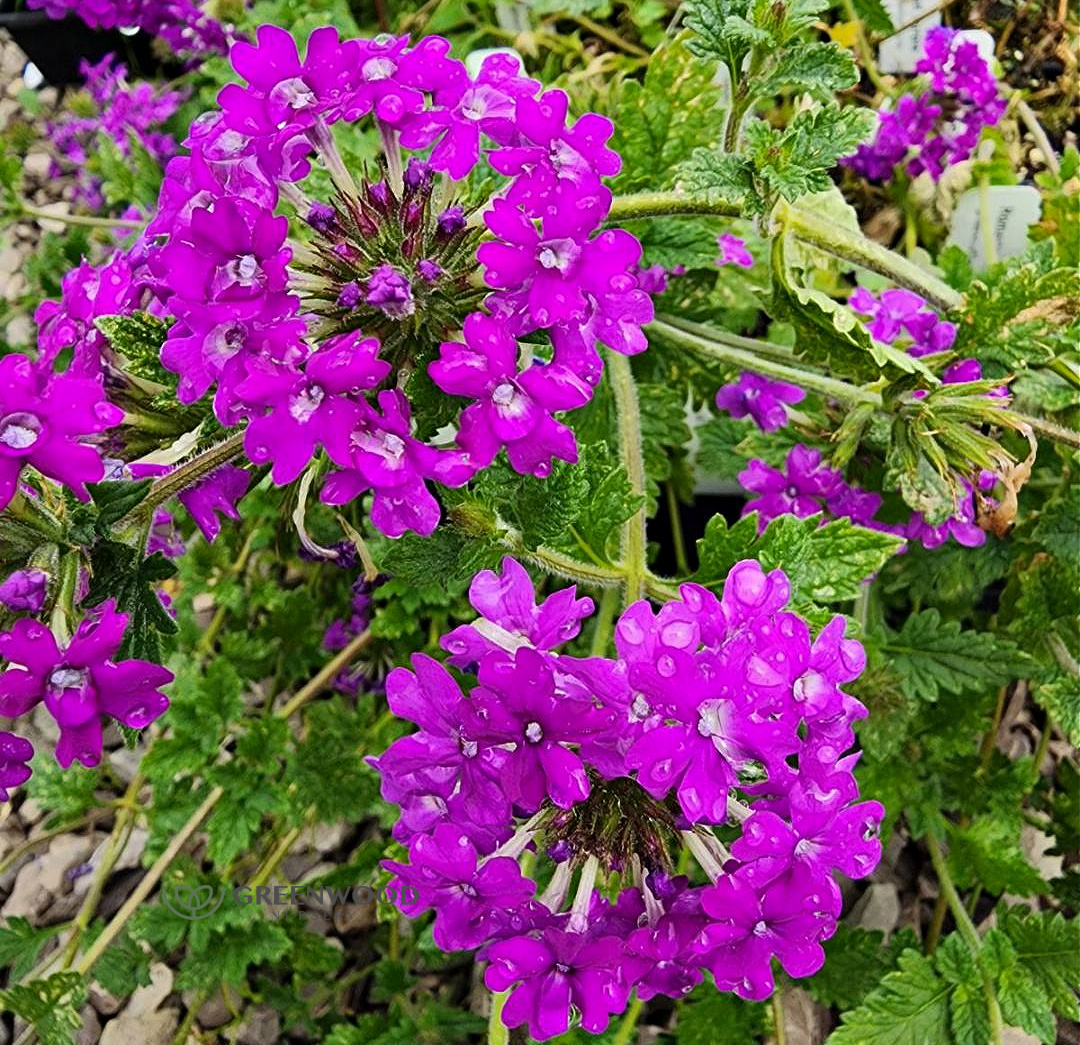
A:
{"points": [[24, 590], [760, 398]]}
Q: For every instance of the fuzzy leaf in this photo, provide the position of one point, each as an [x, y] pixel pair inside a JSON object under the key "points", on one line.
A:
{"points": [[820, 68], [709, 1017], [987, 853], [51, 1006], [21, 943], [1061, 698], [910, 1007], [933, 656], [661, 120], [1046, 945]]}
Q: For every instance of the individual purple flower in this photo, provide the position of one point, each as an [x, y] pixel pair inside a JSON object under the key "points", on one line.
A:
{"points": [[789, 920], [733, 252], [304, 408], [80, 682], [520, 708], [760, 398], [507, 600], [164, 536], [24, 590], [381, 455], [469, 894], [548, 971], [800, 489], [469, 109], [15, 753], [513, 409], [43, 419], [215, 496], [961, 526]]}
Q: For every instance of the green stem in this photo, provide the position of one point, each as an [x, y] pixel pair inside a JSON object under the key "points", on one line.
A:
{"points": [[986, 223], [779, 1026], [668, 204], [1061, 366], [854, 247], [609, 606], [79, 219], [559, 564], [718, 345], [612, 37], [181, 478], [682, 564], [326, 675], [497, 1030], [629, 418], [625, 1034], [769, 349], [147, 882], [1051, 429], [968, 933]]}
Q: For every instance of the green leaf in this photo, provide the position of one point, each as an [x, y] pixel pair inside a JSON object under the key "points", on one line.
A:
{"points": [[448, 559], [50, 1006], [855, 961], [1061, 698], [138, 338], [712, 1017], [67, 794], [661, 120], [720, 176], [721, 32], [820, 68], [796, 161], [227, 955], [1058, 526], [1024, 1003], [124, 967], [115, 499], [21, 943], [932, 656], [119, 572], [910, 1007], [1046, 946], [874, 16], [987, 853], [823, 563]]}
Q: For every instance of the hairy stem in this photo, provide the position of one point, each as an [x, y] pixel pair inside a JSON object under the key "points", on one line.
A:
{"points": [[668, 204], [181, 478], [497, 1030], [854, 247], [968, 933], [625, 1034], [718, 346], [629, 416]]}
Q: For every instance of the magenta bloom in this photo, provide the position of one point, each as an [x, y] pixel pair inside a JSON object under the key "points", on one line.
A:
{"points": [[43, 418], [80, 683], [306, 408], [789, 920], [760, 398], [552, 970], [801, 489], [391, 292], [733, 252], [513, 409], [24, 590], [15, 752], [381, 455], [215, 495], [469, 894]]}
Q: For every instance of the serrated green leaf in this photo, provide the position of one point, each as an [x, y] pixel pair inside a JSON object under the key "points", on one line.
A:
{"points": [[820, 68], [661, 120], [1025, 1004], [987, 853], [51, 1006], [1060, 695], [115, 499], [1057, 528], [823, 563], [855, 961], [874, 16], [227, 955], [1046, 946], [910, 1007], [21, 943], [932, 656]]}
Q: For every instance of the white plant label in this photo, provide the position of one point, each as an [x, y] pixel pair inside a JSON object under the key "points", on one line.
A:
{"points": [[1012, 210], [900, 52]]}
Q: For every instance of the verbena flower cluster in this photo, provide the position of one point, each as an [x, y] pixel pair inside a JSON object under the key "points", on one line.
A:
{"points": [[120, 111], [720, 727], [78, 681], [182, 24], [328, 342], [930, 131], [805, 485]]}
